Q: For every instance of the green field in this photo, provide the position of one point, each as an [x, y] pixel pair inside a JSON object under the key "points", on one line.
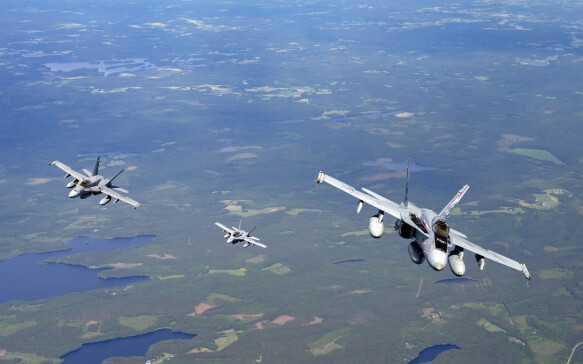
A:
{"points": [[538, 154]]}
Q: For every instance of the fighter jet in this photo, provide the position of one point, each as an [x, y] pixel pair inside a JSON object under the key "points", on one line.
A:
{"points": [[432, 238], [236, 235], [91, 183]]}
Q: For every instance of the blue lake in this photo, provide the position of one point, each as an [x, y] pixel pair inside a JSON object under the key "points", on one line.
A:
{"points": [[28, 277], [429, 354], [349, 261], [127, 346], [455, 280]]}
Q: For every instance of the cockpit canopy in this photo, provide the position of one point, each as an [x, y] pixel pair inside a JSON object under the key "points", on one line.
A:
{"points": [[441, 233], [440, 227]]}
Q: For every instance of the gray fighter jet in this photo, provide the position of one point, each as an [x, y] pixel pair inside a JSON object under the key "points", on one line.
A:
{"points": [[236, 235], [432, 237], [91, 183]]}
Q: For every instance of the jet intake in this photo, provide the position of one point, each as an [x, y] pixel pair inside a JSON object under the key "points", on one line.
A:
{"points": [[456, 264], [72, 183], [416, 253], [376, 227], [105, 200], [405, 230]]}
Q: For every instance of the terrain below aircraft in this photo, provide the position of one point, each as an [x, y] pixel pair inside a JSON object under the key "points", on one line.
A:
{"points": [[432, 238], [235, 235], [91, 183]]}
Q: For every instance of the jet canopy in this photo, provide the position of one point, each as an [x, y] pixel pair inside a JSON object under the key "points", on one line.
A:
{"points": [[440, 227], [441, 230]]}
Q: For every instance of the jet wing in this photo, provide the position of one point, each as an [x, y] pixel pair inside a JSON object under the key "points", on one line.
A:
{"points": [[467, 245], [226, 229], [69, 170], [110, 192], [369, 197], [254, 242]]}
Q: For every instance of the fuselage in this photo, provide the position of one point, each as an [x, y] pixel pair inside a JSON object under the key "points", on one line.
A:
{"points": [[431, 233], [89, 185], [237, 236]]}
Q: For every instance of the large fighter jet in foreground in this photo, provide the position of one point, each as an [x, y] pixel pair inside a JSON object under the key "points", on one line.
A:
{"points": [[91, 183], [432, 237], [236, 235]]}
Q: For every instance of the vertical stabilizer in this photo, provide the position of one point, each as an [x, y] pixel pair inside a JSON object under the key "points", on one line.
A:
{"points": [[114, 177], [96, 168], [240, 221], [406, 201]]}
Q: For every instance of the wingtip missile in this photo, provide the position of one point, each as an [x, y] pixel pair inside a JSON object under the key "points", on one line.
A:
{"points": [[526, 273], [320, 178]]}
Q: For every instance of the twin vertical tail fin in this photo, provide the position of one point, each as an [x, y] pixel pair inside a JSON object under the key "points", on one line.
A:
{"points": [[406, 200], [96, 168], [447, 209], [114, 177], [454, 201]]}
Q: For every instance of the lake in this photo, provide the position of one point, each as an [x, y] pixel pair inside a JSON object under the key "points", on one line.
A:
{"points": [[349, 261], [455, 280], [429, 354], [127, 346], [28, 277]]}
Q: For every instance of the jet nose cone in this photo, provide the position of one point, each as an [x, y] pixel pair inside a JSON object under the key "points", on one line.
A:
{"points": [[73, 194], [438, 266]]}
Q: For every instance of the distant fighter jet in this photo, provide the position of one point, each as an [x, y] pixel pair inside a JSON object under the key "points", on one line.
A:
{"points": [[236, 235], [432, 237], [90, 183]]}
